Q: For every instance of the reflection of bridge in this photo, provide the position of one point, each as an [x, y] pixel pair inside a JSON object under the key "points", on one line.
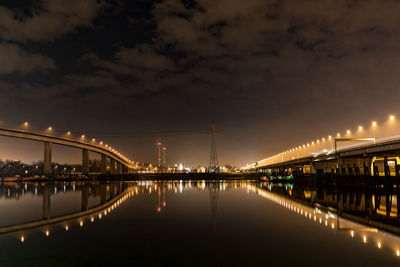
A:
{"points": [[110, 158], [111, 196], [369, 158]]}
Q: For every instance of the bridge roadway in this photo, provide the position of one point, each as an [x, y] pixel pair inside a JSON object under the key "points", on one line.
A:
{"points": [[379, 158], [122, 163]]}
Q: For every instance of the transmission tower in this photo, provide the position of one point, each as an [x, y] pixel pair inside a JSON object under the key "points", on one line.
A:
{"points": [[213, 166]]}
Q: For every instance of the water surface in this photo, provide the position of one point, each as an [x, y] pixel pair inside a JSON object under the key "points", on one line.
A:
{"points": [[179, 223]]}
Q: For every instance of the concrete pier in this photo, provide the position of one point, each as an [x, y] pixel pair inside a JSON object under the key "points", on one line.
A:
{"points": [[85, 161], [47, 158]]}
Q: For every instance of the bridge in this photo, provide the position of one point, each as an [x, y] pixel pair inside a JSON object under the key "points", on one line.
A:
{"points": [[371, 151], [111, 159]]}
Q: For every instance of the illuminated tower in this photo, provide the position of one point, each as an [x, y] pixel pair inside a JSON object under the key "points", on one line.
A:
{"points": [[164, 150], [212, 167]]}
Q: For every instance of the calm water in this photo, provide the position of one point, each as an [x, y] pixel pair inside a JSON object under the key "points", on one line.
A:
{"points": [[180, 224]]}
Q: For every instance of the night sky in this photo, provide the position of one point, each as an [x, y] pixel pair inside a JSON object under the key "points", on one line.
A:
{"points": [[270, 74]]}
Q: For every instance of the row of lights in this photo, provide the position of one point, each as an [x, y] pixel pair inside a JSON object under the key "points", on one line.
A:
{"points": [[92, 218], [392, 118], [83, 137]]}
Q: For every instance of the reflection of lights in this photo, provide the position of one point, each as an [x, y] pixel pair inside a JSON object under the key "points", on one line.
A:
{"points": [[92, 219], [22, 239], [66, 228], [81, 223], [391, 118], [374, 123], [398, 253], [320, 220], [47, 233], [333, 226], [365, 239], [348, 132], [379, 244], [352, 233], [360, 128], [100, 216]]}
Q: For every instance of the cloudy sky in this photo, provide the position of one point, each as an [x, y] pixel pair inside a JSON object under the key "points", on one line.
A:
{"points": [[270, 74]]}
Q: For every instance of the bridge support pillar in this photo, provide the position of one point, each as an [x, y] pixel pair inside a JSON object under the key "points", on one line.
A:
{"points": [[85, 161], [313, 170], [112, 166], [103, 164], [119, 168], [47, 158]]}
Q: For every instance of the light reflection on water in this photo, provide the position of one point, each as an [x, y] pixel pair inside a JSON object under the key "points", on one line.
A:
{"points": [[171, 212]]}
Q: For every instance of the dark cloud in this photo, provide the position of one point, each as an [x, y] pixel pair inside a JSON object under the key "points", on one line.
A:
{"points": [[14, 59], [48, 21]]}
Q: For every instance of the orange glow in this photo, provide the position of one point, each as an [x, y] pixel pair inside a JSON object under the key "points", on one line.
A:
{"points": [[374, 124], [360, 128], [392, 118]]}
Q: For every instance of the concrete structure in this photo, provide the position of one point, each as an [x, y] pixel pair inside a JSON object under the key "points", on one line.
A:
{"points": [[49, 140], [381, 158]]}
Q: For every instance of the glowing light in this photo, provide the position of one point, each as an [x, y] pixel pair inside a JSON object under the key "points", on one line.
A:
{"points": [[82, 136], [93, 140], [92, 219], [392, 118], [348, 132], [360, 128], [338, 134], [47, 232], [333, 226], [101, 142], [81, 223], [379, 244], [50, 128], [330, 137], [352, 233], [365, 239], [323, 139], [100, 216], [26, 124], [374, 124], [398, 253], [22, 239], [66, 228]]}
